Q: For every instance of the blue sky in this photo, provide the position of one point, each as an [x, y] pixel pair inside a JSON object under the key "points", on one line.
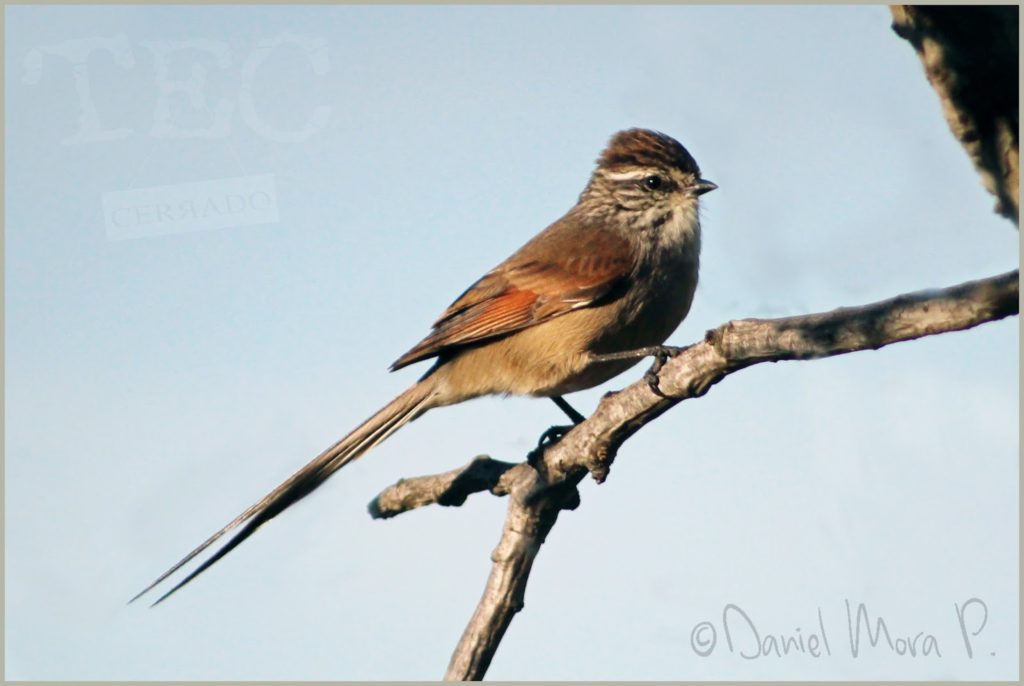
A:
{"points": [[161, 376]]}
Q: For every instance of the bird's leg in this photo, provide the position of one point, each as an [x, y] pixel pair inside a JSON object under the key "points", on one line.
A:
{"points": [[568, 409], [555, 433], [661, 354]]}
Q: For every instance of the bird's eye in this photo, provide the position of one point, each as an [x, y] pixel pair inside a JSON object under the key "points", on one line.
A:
{"points": [[653, 182]]}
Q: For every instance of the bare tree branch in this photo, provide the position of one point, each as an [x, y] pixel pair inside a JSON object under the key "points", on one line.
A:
{"points": [[533, 508], [450, 488], [546, 484], [970, 55]]}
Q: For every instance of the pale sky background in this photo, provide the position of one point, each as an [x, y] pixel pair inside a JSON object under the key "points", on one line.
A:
{"points": [[156, 386]]}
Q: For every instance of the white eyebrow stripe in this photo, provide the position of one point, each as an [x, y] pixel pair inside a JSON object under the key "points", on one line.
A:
{"points": [[630, 175]]}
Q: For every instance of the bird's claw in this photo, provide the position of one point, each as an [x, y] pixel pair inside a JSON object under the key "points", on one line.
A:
{"points": [[663, 354], [553, 435]]}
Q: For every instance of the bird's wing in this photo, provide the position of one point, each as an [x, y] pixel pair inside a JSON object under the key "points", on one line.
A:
{"points": [[523, 291]]}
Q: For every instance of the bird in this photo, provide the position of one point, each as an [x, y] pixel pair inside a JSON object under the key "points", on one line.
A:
{"points": [[582, 301]]}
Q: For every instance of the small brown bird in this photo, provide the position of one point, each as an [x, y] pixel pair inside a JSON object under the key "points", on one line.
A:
{"points": [[578, 304]]}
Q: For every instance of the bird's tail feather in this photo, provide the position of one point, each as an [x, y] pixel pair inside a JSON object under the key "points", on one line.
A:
{"points": [[403, 409]]}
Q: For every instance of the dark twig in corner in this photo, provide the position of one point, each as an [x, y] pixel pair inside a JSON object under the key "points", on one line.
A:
{"points": [[970, 58]]}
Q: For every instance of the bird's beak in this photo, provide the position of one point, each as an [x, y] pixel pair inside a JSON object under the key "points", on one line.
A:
{"points": [[703, 186]]}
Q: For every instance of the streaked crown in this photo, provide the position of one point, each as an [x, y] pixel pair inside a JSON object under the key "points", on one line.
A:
{"points": [[644, 148]]}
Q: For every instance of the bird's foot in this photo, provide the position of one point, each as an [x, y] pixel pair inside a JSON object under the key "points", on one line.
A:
{"points": [[553, 435], [547, 439], [662, 354]]}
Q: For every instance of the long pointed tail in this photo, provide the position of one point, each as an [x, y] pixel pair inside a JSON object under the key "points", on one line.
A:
{"points": [[403, 409]]}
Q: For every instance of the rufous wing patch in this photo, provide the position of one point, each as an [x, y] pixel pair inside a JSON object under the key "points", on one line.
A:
{"points": [[522, 292]]}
